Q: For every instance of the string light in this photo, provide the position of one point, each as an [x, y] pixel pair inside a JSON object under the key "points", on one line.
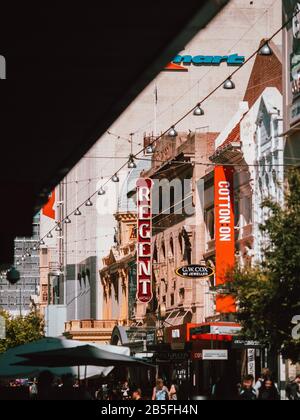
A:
{"points": [[89, 203], [266, 50], [115, 178], [77, 212], [101, 191], [131, 162], [229, 84], [67, 220], [58, 228], [198, 111], [150, 149], [49, 236], [172, 132]]}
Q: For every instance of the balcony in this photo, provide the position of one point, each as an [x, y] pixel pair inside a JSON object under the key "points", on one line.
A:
{"points": [[90, 330]]}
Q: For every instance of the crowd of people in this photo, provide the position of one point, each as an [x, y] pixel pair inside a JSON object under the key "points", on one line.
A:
{"points": [[46, 387]]}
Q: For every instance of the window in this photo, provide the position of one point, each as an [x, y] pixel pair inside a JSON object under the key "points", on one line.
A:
{"points": [[248, 210], [171, 253], [163, 251], [181, 293], [172, 299], [210, 224], [44, 294]]}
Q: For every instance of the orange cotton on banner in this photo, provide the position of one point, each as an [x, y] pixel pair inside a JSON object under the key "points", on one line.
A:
{"points": [[225, 243]]}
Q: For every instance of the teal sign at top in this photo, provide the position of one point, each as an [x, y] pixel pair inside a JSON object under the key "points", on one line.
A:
{"points": [[209, 60]]}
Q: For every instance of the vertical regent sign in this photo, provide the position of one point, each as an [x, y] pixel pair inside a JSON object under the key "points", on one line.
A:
{"points": [[225, 243], [144, 240]]}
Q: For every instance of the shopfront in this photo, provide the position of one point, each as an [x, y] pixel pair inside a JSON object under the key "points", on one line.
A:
{"points": [[196, 357]]}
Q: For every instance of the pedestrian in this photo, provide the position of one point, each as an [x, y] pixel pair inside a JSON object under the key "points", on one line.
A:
{"points": [[160, 391], [33, 390], [173, 394], [247, 392], [45, 386], [293, 389], [125, 391], [67, 392], [137, 394], [268, 391], [265, 374]]}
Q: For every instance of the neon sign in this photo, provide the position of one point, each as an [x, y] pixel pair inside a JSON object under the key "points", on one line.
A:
{"points": [[144, 240]]}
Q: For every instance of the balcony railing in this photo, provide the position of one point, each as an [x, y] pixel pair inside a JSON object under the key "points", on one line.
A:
{"points": [[91, 324]]}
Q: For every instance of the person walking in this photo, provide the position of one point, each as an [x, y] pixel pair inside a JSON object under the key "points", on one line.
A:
{"points": [[268, 391], [247, 392], [33, 390], [265, 374], [293, 389], [137, 394], [173, 394], [125, 391], [160, 391]]}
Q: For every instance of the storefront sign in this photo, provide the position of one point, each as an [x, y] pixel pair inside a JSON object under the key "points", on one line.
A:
{"points": [[2, 328], [181, 62], [225, 330], [144, 240], [217, 329], [197, 355], [251, 362], [151, 338], [174, 356], [175, 333], [195, 271], [215, 355], [225, 238], [245, 344]]}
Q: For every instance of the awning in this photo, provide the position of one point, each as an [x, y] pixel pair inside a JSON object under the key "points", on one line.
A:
{"points": [[176, 317]]}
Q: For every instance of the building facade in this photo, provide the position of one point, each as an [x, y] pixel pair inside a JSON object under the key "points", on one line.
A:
{"points": [[22, 297]]}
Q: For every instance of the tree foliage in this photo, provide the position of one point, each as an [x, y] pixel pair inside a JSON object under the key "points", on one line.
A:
{"points": [[269, 294], [21, 330]]}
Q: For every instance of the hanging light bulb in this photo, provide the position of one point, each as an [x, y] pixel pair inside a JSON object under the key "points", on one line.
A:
{"points": [[67, 220], [49, 236], [101, 191], [150, 149], [58, 228], [28, 254], [42, 242], [89, 203], [265, 49], [34, 247], [131, 162], [229, 84], [115, 178], [77, 213], [198, 111], [172, 132], [23, 258], [18, 262]]}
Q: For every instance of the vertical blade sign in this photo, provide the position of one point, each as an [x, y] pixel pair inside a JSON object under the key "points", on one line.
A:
{"points": [[144, 240], [225, 240]]}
